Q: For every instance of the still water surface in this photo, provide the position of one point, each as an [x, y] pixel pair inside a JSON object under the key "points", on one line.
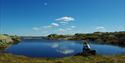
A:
{"points": [[62, 48]]}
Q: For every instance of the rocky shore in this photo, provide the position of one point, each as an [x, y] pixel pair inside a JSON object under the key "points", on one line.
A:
{"points": [[6, 40]]}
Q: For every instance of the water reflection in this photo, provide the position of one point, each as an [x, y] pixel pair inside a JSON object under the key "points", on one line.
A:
{"points": [[49, 48]]}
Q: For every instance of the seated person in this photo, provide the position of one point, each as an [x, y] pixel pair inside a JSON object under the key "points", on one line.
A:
{"points": [[86, 47]]}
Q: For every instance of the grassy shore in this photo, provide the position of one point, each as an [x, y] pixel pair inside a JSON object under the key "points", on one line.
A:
{"points": [[8, 58]]}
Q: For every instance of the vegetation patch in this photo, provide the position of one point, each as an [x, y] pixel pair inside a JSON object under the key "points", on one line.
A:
{"points": [[115, 38], [9, 58]]}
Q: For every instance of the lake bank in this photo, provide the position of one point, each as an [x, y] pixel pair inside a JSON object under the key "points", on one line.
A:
{"points": [[114, 38], [9, 58], [63, 48], [7, 40]]}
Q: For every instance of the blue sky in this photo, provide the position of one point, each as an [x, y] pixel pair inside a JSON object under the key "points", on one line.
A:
{"points": [[43, 17]]}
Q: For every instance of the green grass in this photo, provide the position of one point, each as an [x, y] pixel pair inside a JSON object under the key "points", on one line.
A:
{"points": [[8, 58]]}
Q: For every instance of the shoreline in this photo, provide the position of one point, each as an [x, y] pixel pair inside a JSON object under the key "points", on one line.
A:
{"points": [[11, 58], [4, 58], [7, 40]]}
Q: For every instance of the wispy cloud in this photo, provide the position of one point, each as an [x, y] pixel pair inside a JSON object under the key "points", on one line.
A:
{"points": [[52, 25], [64, 23], [69, 29], [47, 26], [73, 26], [61, 30], [100, 28], [36, 28], [65, 19], [58, 25]]}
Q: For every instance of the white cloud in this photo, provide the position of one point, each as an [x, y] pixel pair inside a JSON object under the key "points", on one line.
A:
{"points": [[65, 19], [51, 25], [62, 30], [61, 22], [66, 29], [73, 26], [100, 28], [54, 24], [36, 28], [69, 29], [47, 26]]}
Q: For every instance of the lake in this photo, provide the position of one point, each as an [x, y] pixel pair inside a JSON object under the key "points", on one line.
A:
{"points": [[59, 48]]}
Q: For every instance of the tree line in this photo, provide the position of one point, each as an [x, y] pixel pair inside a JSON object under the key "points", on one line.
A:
{"points": [[116, 38]]}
